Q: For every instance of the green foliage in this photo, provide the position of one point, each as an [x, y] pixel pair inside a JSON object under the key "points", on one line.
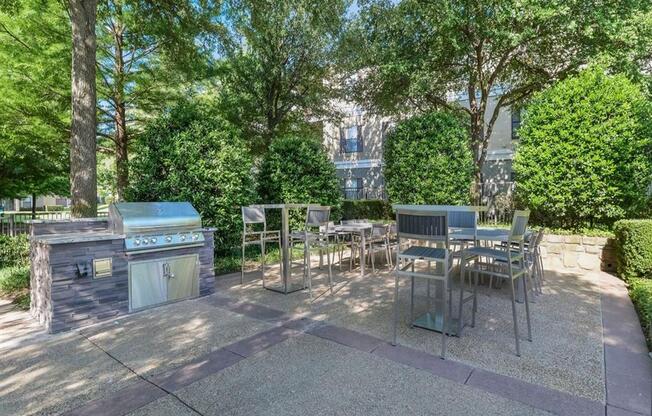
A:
{"points": [[428, 161], [14, 280], [373, 209], [278, 55], [298, 170], [634, 248], [640, 290], [190, 154], [414, 53], [14, 251], [585, 152], [35, 101]]}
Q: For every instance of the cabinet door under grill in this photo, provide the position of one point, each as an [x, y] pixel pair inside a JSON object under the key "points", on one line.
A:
{"points": [[183, 276], [147, 285]]}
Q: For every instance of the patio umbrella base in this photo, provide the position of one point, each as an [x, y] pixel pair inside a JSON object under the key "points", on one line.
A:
{"points": [[434, 321]]}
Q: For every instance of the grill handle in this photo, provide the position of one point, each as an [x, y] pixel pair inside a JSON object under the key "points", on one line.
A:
{"points": [[167, 272]]}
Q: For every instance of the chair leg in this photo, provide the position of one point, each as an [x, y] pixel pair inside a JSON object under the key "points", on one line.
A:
{"points": [[330, 271], [475, 298], [516, 336], [373, 263], [445, 330], [262, 259], [394, 329], [527, 310], [460, 313], [242, 264], [411, 299], [306, 252]]}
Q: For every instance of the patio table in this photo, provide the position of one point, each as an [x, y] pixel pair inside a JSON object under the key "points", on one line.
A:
{"points": [[286, 286], [361, 229]]}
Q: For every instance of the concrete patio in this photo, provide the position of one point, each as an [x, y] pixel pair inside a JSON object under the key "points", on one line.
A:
{"points": [[246, 350]]}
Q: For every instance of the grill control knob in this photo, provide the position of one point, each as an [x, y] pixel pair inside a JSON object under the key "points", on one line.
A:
{"points": [[183, 237], [168, 239], [137, 242], [152, 240], [145, 241], [195, 236]]}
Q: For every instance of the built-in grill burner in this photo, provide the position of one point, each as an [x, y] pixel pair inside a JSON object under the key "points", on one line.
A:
{"points": [[155, 226]]}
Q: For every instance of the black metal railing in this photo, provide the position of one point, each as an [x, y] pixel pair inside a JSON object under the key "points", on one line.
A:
{"points": [[363, 193], [14, 223]]}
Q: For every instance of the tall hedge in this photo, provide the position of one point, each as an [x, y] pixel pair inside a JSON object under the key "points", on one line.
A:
{"points": [[428, 161], [298, 170], [585, 151], [190, 154], [634, 248]]}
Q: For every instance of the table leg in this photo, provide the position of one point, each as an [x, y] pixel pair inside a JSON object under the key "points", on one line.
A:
{"points": [[286, 252], [362, 252]]}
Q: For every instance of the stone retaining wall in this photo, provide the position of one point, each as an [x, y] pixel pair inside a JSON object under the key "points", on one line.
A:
{"points": [[578, 252]]}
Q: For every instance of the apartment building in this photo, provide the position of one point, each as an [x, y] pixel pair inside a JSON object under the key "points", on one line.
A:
{"points": [[356, 146]]}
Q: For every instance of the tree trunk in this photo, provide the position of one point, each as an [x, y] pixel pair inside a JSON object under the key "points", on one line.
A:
{"points": [[121, 137], [33, 206], [477, 141], [83, 164]]}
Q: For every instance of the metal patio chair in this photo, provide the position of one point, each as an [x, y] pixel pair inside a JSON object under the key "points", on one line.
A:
{"points": [[252, 216], [317, 219], [423, 227], [378, 241], [506, 264]]}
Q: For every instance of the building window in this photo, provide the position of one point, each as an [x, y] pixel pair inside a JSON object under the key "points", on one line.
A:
{"points": [[516, 122], [351, 139], [353, 188]]}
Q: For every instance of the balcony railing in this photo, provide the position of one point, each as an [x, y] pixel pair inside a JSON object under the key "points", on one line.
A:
{"points": [[363, 193], [17, 223]]}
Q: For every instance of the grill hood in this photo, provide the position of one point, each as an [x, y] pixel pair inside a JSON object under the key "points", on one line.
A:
{"points": [[153, 217]]}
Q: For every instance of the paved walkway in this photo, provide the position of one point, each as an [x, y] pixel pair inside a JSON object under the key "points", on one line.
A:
{"points": [[250, 351]]}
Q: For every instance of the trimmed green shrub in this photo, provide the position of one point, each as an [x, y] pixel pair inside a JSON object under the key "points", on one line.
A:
{"points": [[190, 154], [428, 161], [373, 209], [584, 156], [640, 290], [634, 248], [14, 279], [298, 170], [14, 251]]}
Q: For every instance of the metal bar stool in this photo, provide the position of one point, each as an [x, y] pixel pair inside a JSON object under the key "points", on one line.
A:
{"points": [[252, 216], [430, 227], [312, 236], [510, 266]]}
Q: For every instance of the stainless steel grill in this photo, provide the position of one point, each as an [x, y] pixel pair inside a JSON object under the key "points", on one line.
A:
{"points": [[155, 226]]}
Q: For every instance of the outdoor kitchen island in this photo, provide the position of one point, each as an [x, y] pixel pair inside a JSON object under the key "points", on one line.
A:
{"points": [[145, 254]]}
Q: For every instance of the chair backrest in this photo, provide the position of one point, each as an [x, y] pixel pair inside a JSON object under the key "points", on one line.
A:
{"points": [[422, 225], [253, 215], [519, 225], [317, 216], [379, 230], [463, 219]]}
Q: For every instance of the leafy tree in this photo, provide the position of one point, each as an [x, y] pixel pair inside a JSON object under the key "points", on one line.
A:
{"points": [[586, 151], [415, 54], [35, 99], [298, 170], [427, 161], [142, 64], [189, 154], [277, 56]]}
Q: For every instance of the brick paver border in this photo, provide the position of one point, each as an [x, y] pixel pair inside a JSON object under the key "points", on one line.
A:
{"points": [[628, 370]]}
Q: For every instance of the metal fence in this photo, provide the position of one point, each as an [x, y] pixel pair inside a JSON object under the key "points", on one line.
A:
{"points": [[15, 223], [364, 193]]}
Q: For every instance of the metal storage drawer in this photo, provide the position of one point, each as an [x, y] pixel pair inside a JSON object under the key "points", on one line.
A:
{"points": [[152, 282]]}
